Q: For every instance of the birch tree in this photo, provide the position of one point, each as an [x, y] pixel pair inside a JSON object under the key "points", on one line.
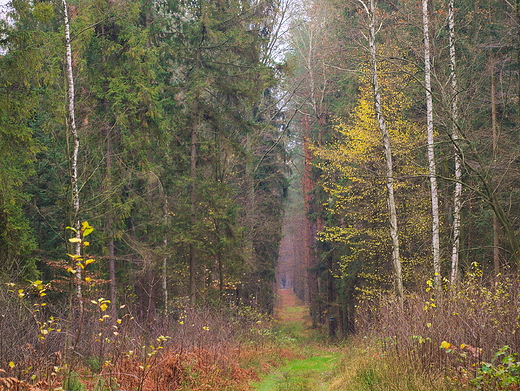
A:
{"points": [[457, 195], [431, 152], [371, 13], [75, 151]]}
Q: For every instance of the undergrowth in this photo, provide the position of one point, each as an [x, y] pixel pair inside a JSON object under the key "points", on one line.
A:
{"points": [[460, 338], [207, 348], [364, 367]]}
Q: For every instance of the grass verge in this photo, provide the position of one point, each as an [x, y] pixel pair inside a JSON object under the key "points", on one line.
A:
{"points": [[367, 369]]}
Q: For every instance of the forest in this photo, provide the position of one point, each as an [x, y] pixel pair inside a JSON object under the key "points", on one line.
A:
{"points": [[168, 167]]}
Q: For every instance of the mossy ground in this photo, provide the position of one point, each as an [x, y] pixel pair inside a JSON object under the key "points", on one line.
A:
{"points": [[313, 373], [317, 358]]}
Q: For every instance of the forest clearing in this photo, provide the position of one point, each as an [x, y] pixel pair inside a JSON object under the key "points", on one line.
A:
{"points": [[259, 195]]}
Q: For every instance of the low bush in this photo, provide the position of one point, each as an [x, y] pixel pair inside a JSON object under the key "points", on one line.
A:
{"points": [[455, 332], [192, 349]]}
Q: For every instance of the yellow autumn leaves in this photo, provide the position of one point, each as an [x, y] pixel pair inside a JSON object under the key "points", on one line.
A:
{"points": [[353, 175]]}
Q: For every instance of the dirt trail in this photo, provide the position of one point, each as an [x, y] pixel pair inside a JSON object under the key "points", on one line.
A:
{"points": [[290, 310], [315, 367], [288, 299]]}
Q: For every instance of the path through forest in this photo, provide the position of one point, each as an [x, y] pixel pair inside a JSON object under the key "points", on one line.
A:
{"points": [[317, 357], [289, 308]]}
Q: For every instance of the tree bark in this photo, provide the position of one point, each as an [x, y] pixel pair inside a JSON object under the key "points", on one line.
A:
{"points": [[311, 229], [75, 152], [431, 151], [112, 275], [457, 195], [518, 46], [165, 260], [109, 223], [307, 188], [193, 201], [251, 208], [394, 234], [494, 127]]}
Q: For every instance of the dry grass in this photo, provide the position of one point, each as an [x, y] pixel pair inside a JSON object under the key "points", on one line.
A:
{"points": [[403, 343], [183, 370], [365, 368], [397, 347]]}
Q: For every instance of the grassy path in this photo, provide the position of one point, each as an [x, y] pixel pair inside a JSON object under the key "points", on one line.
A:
{"points": [[317, 361], [315, 364]]}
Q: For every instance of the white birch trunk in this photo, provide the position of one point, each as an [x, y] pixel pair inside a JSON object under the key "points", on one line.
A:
{"points": [[431, 152], [457, 195], [387, 149], [75, 153]]}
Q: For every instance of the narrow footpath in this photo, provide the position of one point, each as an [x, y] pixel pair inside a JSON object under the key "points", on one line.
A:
{"points": [[318, 357]]}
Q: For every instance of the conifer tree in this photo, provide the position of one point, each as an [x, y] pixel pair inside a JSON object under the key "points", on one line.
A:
{"points": [[25, 71]]}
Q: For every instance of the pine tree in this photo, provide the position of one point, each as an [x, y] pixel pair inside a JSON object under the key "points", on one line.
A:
{"points": [[25, 71]]}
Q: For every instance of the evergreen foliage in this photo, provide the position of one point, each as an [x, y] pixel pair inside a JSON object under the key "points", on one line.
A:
{"points": [[189, 123], [181, 165]]}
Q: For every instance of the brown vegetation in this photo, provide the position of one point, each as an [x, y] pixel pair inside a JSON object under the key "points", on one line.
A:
{"points": [[453, 335], [218, 348]]}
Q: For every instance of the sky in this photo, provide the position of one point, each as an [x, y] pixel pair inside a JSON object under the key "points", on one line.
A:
{"points": [[2, 16], [2, 5]]}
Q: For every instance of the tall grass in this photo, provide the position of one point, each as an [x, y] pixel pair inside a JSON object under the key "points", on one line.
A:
{"points": [[438, 340], [365, 368]]}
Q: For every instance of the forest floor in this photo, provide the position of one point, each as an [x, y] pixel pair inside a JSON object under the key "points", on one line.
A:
{"points": [[316, 358], [312, 361]]}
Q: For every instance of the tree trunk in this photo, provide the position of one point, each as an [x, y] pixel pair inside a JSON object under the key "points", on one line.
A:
{"points": [[387, 150], [518, 47], [75, 153], [112, 275], [193, 201], [165, 260], [457, 196], [431, 151], [494, 127], [250, 211], [307, 188], [109, 224]]}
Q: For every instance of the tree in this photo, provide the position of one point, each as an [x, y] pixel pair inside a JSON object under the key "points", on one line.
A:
{"points": [[354, 178], [371, 14], [224, 119], [454, 109], [321, 88], [121, 128], [25, 71], [74, 180], [431, 151]]}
